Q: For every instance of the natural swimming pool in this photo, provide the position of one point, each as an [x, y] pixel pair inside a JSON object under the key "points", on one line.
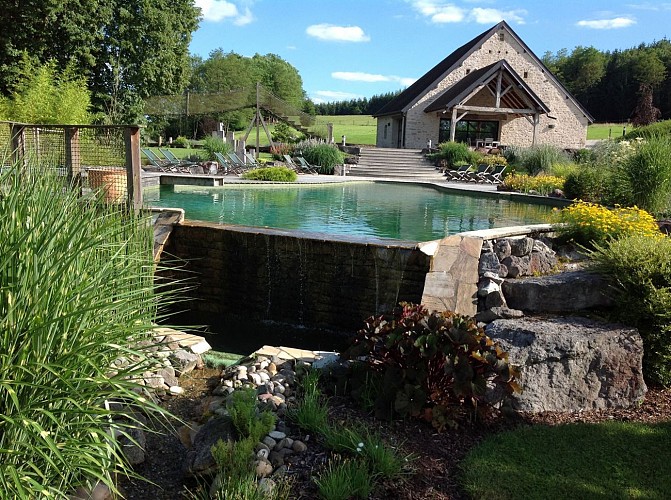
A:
{"points": [[369, 209]]}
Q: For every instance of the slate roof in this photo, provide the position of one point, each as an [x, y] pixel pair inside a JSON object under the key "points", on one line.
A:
{"points": [[463, 87], [400, 103]]}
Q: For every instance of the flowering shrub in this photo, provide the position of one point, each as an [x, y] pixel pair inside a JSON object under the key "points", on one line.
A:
{"points": [[590, 224], [279, 149], [493, 160], [542, 184]]}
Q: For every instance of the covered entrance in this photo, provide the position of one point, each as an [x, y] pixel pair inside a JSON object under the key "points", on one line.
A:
{"points": [[474, 109]]}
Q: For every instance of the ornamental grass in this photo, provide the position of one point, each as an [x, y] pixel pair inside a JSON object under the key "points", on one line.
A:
{"points": [[76, 294]]}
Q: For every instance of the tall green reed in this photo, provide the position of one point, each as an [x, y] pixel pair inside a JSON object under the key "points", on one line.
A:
{"points": [[76, 293]]}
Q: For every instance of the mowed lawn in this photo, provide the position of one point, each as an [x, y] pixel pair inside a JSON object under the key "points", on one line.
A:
{"points": [[361, 129]]}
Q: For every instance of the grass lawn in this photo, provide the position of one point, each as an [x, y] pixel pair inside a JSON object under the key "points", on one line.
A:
{"points": [[608, 460], [606, 130], [218, 359]]}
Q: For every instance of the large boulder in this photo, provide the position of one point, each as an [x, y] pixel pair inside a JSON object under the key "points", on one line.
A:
{"points": [[563, 292], [572, 364], [199, 459]]}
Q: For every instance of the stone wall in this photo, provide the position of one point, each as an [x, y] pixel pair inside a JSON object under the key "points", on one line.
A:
{"points": [[293, 277]]}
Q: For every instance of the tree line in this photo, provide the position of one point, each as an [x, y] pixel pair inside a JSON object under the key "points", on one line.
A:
{"points": [[620, 85], [361, 106]]}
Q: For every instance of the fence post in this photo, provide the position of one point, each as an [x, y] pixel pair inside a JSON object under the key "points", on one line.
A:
{"points": [[133, 168], [18, 134], [73, 158]]}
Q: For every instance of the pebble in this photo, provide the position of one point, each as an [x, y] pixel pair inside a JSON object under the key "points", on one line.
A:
{"points": [[263, 468], [277, 435], [276, 459], [262, 453], [176, 390], [270, 442], [272, 368], [299, 446], [267, 486]]}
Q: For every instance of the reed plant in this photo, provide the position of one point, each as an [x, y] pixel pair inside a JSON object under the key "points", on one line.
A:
{"points": [[76, 297]]}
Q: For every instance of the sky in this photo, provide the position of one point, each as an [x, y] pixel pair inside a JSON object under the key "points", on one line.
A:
{"points": [[349, 49]]}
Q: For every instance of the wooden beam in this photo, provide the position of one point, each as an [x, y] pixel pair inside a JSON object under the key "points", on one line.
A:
{"points": [[485, 109], [453, 124], [499, 77], [535, 132], [133, 166]]}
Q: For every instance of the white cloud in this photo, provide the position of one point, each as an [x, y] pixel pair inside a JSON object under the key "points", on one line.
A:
{"points": [[440, 12], [331, 33], [648, 6], [221, 10], [607, 24], [493, 16], [333, 95], [357, 76]]}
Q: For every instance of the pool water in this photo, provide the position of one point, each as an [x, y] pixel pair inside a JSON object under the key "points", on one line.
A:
{"points": [[368, 209]]}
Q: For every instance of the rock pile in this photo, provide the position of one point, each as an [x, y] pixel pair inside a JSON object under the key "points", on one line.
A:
{"points": [[508, 258], [274, 380]]}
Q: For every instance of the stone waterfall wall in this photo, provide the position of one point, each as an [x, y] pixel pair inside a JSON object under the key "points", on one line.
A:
{"points": [[292, 277]]}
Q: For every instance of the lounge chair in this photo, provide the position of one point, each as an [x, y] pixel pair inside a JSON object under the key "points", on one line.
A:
{"points": [[292, 165], [173, 159], [495, 177], [307, 168], [235, 160], [478, 175], [154, 160], [252, 161], [226, 164], [458, 174]]}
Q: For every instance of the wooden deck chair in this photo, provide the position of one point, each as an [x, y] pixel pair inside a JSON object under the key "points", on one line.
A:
{"points": [[155, 161], [252, 161], [495, 177], [458, 174], [478, 175], [290, 163], [226, 165], [306, 167]]}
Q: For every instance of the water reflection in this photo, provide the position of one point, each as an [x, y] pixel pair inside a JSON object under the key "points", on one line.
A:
{"points": [[406, 212]]}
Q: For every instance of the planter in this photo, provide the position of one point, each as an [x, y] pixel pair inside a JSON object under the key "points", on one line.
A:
{"points": [[111, 180]]}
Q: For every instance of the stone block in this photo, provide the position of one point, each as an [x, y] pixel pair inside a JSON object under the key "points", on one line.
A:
{"points": [[563, 292], [572, 364]]}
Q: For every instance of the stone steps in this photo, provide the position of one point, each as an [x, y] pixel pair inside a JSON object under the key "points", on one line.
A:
{"points": [[403, 164]]}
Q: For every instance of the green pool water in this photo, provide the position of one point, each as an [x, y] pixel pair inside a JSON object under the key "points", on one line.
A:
{"points": [[380, 210]]}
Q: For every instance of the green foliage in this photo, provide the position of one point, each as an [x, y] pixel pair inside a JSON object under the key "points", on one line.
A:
{"points": [[589, 183], [644, 177], [639, 268], [181, 142], [539, 158], [46, 96], [311, 412], [659, 129], [216, 359], [234, 458], [428, 360], [453, 152], [326, 156], [246, 419], [541, 184], [343, 480], [76, 294], [279, 149], [579, 461], [492, 160], [284, 133], [215, 145], [274, 174]]}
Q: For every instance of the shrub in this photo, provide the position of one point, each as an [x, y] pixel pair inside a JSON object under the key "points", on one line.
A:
{"points": [[181, 142], [246, 419], [590, 183], [432, 364], [284, 133], [279, 149], [345, 479], [563, 170], [591, 224], [492, 160], [542, 184], [76, 294], [659, 129], [639, 268], [326, 156], [453, 152], [644, 176], [213, 145], [274, 174], [540, 158]]}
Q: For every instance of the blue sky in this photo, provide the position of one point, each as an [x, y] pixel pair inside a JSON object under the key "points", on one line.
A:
{"points": [[346, 49]]}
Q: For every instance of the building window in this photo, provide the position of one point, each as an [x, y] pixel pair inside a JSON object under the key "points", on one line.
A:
{"points": [[385, 130], [502, 36], [526, 74], [469, 131], [468, 70]]}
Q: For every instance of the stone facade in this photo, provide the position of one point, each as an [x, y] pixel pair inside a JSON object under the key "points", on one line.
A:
{"points": [[565, 126]]}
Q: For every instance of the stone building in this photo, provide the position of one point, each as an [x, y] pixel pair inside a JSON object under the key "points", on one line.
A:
{"points": [[493, 89]]}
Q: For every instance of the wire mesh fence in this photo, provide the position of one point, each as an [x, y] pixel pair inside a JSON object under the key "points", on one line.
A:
{"points": [[87, 157]]}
